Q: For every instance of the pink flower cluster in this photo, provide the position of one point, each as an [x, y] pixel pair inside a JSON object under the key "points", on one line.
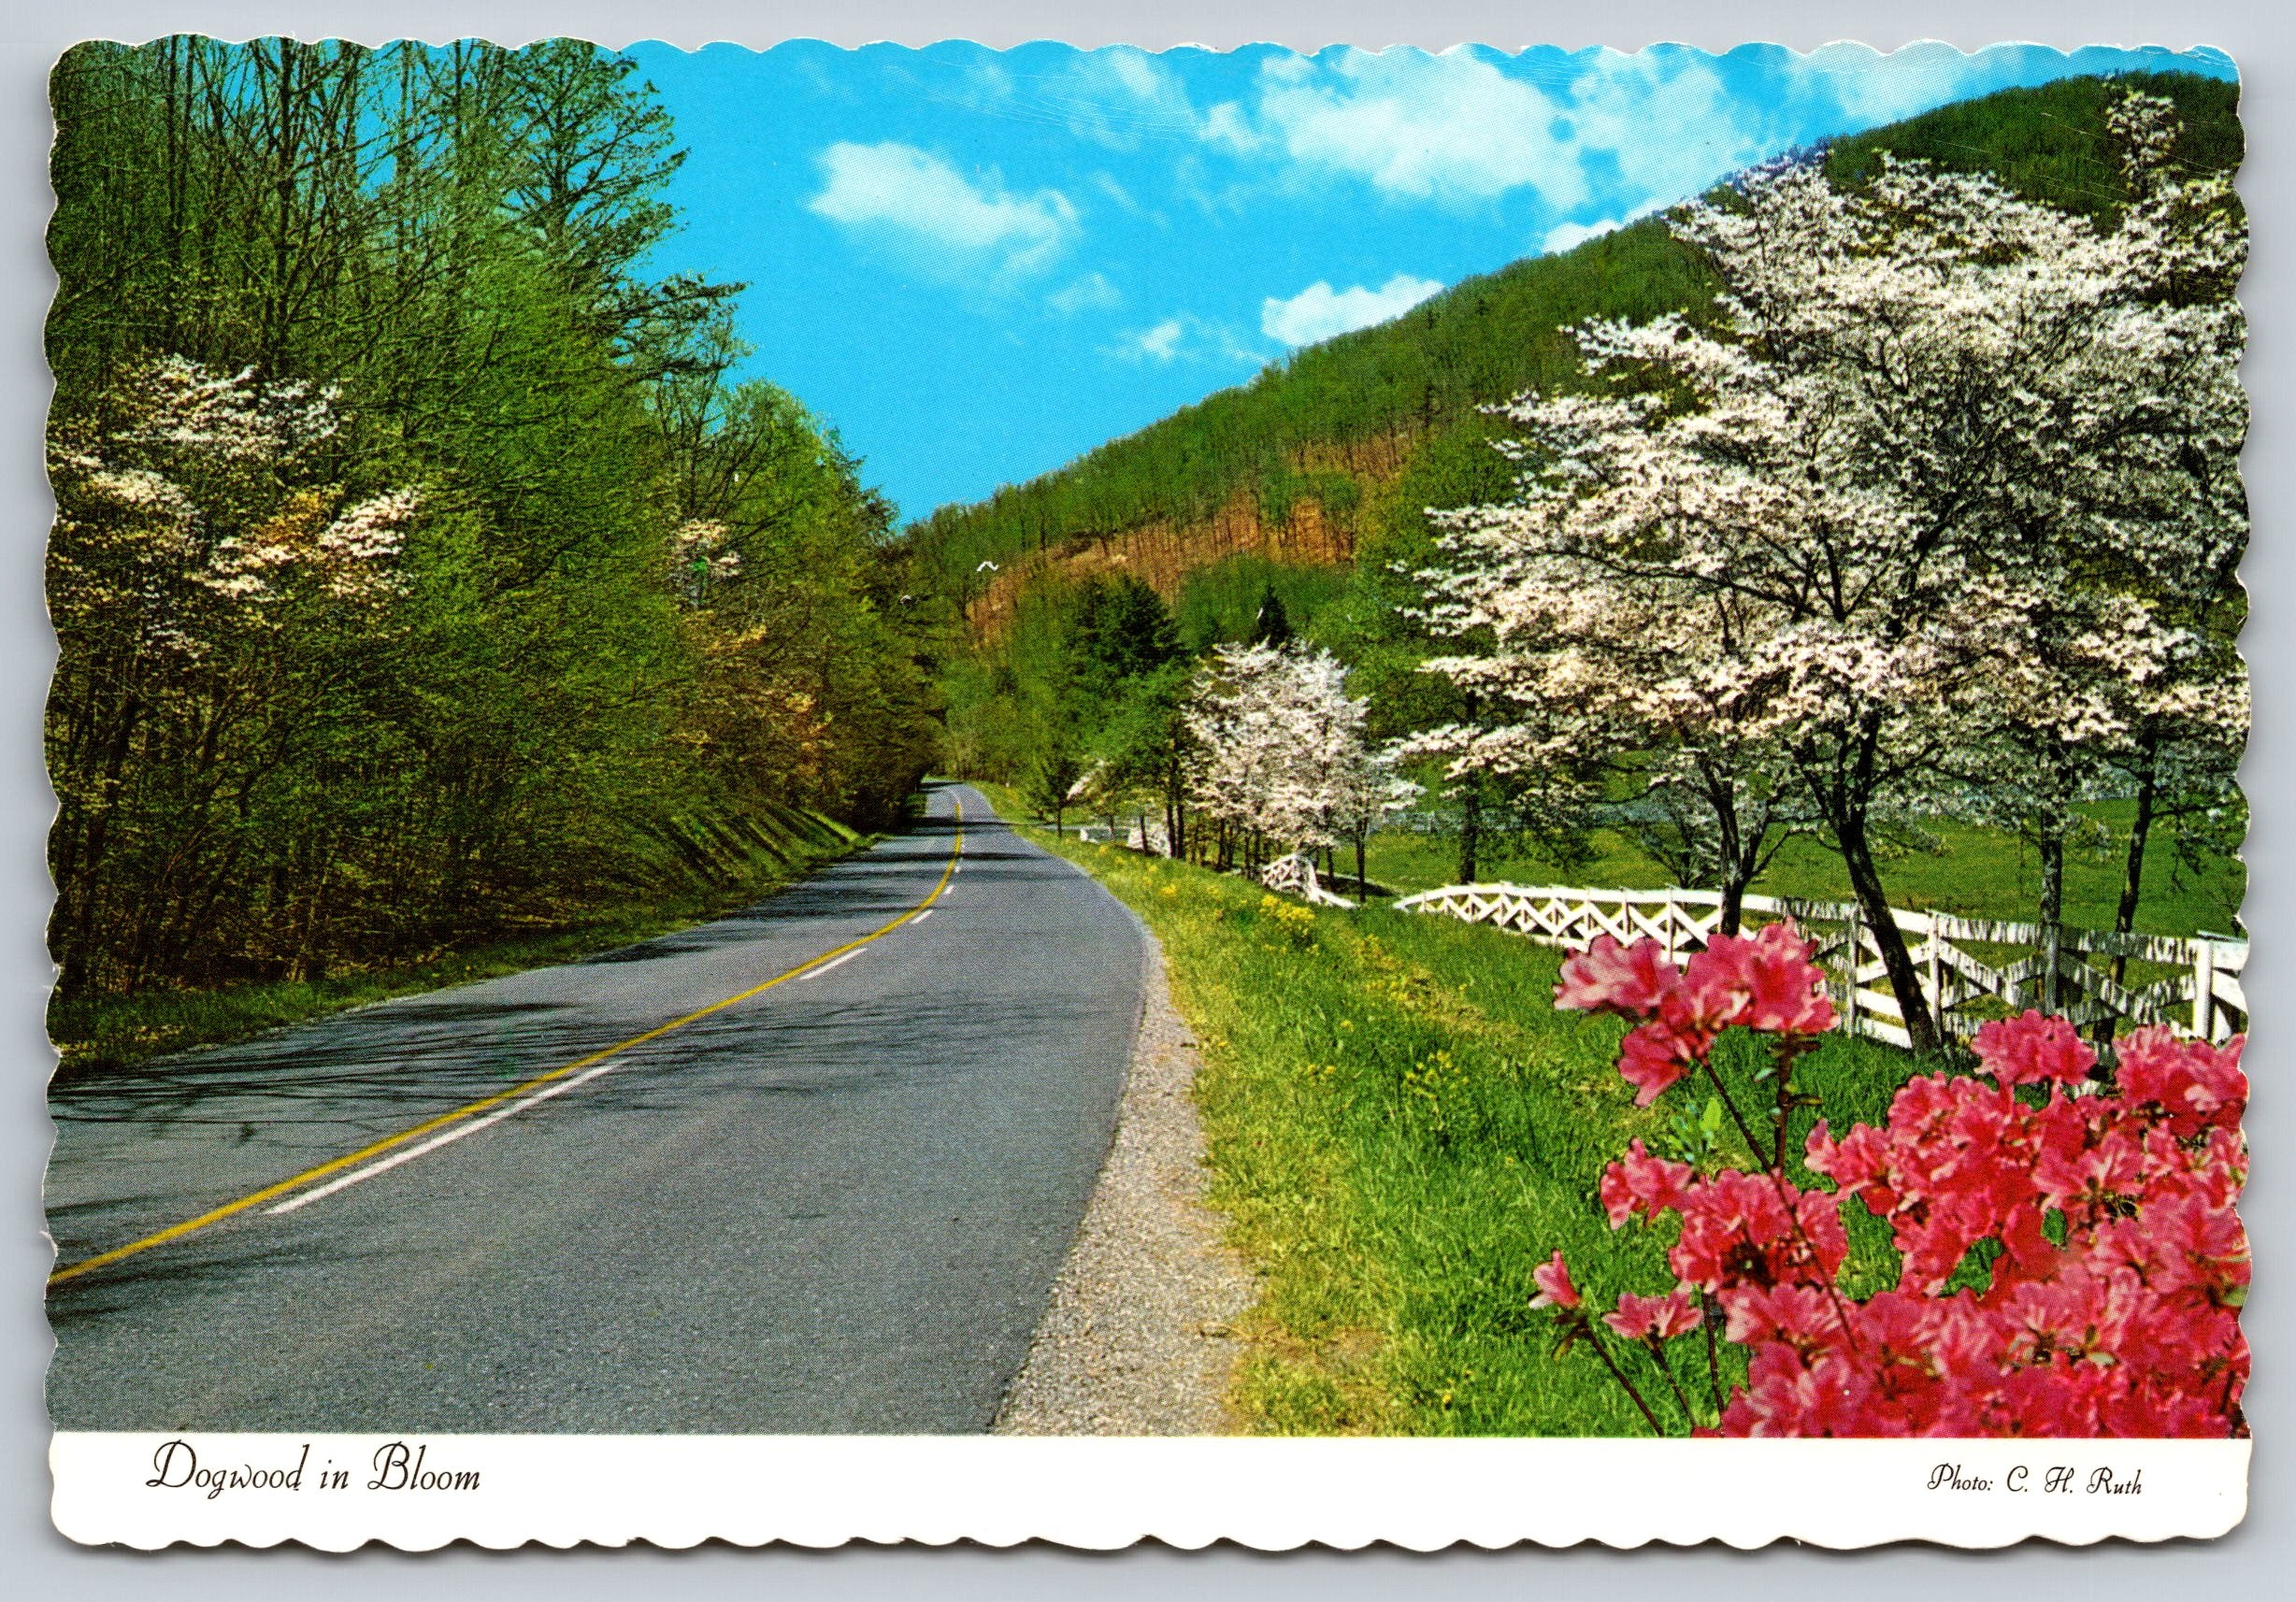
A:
{"points": [[2115, 1264], [1765, 981]]}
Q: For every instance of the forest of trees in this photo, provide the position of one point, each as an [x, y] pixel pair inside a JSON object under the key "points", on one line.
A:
{"points": [[419, 573]]}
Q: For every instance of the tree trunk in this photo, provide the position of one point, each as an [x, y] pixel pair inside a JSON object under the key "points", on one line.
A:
{"points": [[84, 892], [1874, 903], [1361, 881], [2140, 831], [2052, 847], [1732, 857], [1470, 830]]}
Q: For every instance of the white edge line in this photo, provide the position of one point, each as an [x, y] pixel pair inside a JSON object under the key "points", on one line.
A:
{"points": [[833, 963], [448, 1139], [436, 1141]]}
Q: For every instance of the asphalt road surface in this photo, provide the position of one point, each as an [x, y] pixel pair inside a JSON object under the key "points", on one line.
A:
{"points": [[835, 1206]]}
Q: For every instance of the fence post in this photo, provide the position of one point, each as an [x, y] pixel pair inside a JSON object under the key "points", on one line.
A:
{"points": [[1937, 976], [1668, 905], [2204, 989], [1849, 972]]}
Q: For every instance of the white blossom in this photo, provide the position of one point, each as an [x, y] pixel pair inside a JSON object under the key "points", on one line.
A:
{"points": [[702, 555], [1281, 747], [173, 531]]}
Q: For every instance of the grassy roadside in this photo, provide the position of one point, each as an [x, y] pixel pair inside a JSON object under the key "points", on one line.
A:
{"points": [[1972, 872], [98, 1033], [1400, 1127]]}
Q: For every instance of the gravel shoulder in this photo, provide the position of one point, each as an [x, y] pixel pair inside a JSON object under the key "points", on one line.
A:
{"points": [[1136, 1340]]}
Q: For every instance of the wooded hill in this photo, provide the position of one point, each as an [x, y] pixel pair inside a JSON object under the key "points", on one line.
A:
{"points": [[1337, 421]]}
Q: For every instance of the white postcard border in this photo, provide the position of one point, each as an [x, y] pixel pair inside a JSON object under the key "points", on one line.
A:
{"points": [[420, 1491]]}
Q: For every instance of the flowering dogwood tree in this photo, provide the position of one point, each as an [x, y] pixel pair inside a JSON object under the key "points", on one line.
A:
{"points": [[1922, 474], [213, 591], [1280, 754], [2190, 720], [2069, 1264], [1598, 661], [2120, 524]]}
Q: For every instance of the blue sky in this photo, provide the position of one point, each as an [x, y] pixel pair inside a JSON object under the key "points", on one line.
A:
{"points": [[979, 264]]}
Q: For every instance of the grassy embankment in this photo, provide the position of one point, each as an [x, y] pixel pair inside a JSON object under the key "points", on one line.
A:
{"points": [[1401, 1127], [1973, 872], [97, 1034]]}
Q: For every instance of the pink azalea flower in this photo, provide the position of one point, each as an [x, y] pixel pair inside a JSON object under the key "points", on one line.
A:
{"points": [[1629, 981], [1764, 982], [2115, 1264], [2196, 1084], [1640, 1182], [1661, 1317], [2033, 1050], [1654, 1054], [1555, 1287]]}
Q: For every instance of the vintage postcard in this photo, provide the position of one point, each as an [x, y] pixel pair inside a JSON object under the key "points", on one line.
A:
{"points": [[931, 794]]}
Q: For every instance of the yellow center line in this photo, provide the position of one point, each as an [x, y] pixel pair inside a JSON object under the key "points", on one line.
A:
{"points": [[256, 1198]]}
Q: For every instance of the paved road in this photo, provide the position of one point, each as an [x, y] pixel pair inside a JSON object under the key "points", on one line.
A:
{"points": [[836, 1205]]}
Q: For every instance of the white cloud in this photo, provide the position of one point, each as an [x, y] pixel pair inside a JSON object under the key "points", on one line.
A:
{"points": [[1226, 124], [923, 200], [1116, 191], [1669, 121], [1139, 72], [1160, 343], [1319, 312], [1872, 87], [1184, 337], [986, 80], [1451, 126], [1091, 292], [1563, 236], [1115, 96], [1598, 128]]}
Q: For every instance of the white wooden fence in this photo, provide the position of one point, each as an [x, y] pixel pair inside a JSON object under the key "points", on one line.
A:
{"points": [[2192, 985], [1295, 875]]}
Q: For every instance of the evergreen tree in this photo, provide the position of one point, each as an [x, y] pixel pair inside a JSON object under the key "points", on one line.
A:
{"points": [[1271, 624]]}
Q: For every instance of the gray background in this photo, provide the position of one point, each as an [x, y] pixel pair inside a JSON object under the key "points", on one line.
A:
{"points": [[2260, 1558]]}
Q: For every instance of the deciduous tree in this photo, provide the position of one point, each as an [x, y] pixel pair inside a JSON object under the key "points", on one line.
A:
{"points": [[1919, 477]]}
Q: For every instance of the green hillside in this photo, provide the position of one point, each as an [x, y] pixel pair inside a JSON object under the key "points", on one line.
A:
{"points": [[1484, 337], [1423, 374]]}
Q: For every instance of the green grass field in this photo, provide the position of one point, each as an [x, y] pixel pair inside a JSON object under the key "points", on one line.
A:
{"points": [[1401, 1126], [94, 1034], [1973, 872]]}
